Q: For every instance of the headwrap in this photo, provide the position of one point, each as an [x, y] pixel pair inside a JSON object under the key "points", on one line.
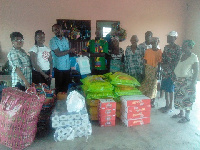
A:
{"points": [[190, 43]]}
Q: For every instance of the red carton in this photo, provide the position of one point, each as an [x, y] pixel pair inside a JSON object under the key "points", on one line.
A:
{"points": [[107, 104], [104, 112], [135, 122], [135, 100], [135, 109], [143, 114], [107, 117], [107, 123]]}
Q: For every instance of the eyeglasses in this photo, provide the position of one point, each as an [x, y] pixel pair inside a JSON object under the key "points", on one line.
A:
{"points": [[22, 40]]}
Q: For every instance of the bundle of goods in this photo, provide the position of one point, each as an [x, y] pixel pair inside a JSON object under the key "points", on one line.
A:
{"points": [[135, 110], [124, 84], [70, 118], [19, 113], [95, 87], [107, 112], [47, 107]]}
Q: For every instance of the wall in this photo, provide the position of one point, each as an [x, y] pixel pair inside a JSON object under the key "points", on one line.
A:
{"points": [[193, 25], [138, 16]]}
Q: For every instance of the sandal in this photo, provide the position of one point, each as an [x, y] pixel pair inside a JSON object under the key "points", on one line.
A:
{"points": [[177, 116], [184, 120]]}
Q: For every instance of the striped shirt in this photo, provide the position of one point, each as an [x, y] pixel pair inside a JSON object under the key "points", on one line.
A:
{"points": [[19, 59]]}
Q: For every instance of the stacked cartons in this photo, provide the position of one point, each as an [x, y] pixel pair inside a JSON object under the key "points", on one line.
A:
{"points": [[70, 125], [135, 110], [93, 108], [107, 112]]}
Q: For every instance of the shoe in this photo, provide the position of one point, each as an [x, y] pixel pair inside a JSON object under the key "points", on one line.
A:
{"points": [[184, 120], [177, 116]]}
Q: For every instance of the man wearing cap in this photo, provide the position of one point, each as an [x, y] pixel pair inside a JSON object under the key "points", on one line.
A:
{"points": [[170, 58]]}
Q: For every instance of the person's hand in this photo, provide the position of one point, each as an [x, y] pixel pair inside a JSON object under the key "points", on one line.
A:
{"points": [[46, 76], [27, 84], [72, 50]]}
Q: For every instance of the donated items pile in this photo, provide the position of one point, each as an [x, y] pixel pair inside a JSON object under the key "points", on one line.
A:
{"points": [[108, 86], [70, 118]]}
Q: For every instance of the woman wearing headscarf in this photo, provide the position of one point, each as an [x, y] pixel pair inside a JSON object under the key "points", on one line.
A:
{"points": [[153, 58], [170, 58], [186, 73]]}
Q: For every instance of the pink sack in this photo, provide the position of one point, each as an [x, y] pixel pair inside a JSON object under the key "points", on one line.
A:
{"points": [[19, 116]]}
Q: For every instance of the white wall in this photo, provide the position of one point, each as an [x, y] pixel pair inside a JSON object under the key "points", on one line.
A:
{"points": [[136, 16]]}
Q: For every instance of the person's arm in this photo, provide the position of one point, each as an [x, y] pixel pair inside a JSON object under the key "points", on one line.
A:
{"points": [[33, 56], [20, 74], [51, 65], [195, 68], [59, 53]]}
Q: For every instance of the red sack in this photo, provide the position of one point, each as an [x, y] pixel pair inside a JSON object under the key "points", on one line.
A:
{"points": [[19, 116]]}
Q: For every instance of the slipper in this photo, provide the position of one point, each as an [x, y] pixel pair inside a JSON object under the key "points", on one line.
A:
{"points": [[163, 108], [177, 116], [167, 111], [184, 120]]}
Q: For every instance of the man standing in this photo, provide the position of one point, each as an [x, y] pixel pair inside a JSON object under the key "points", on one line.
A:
{"points": [[60, 53]]}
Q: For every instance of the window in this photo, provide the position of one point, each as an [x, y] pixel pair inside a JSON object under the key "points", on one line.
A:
{"points": [[106, 30]]}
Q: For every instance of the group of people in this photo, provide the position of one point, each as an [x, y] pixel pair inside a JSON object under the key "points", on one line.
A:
{"points": [[177, 65]]}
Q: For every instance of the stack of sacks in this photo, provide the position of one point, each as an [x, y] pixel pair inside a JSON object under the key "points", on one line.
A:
{"points": [[124, 84], [135, 110], [107, 111], [71, 120], [95, 87]]}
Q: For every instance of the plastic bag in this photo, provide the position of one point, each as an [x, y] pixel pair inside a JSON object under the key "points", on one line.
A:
{"points": [[75, 102], [84, 65]]}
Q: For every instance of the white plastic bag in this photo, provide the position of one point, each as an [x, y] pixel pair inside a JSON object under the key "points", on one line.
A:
{"points": [[84, 65], [75, 102]]}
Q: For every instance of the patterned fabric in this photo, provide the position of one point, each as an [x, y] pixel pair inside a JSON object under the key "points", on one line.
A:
{"points": [[19, 59], [116, 63], [60, 63], [171, 57], [134, 63], [149, 85], [184, 96], [97, 46]]}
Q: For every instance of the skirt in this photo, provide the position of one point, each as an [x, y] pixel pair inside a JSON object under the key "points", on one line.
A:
{"points": [[184, 96], [149, 85]]}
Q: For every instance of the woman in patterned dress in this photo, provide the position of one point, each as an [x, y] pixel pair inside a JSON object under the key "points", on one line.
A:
{"points": [[186, 73], [20, 62], [134, 60], [153, 58]]}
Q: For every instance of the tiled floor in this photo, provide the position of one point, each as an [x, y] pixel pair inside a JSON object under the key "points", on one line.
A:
{"points": [[163, 133]]}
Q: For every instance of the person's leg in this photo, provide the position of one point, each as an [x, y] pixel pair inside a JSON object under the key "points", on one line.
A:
{"points": [[171, 97], [153, 103], [186, 118], [167, 99], [66, 80], [58, 80]]}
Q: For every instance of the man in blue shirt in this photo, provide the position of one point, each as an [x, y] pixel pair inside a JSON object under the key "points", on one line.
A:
{"points": [[61, 63]]}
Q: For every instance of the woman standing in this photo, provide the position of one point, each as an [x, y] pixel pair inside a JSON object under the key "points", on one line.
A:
{"points": [[153, 58], [186, 73], [134, 60], [41, 60], [20, 62]]}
